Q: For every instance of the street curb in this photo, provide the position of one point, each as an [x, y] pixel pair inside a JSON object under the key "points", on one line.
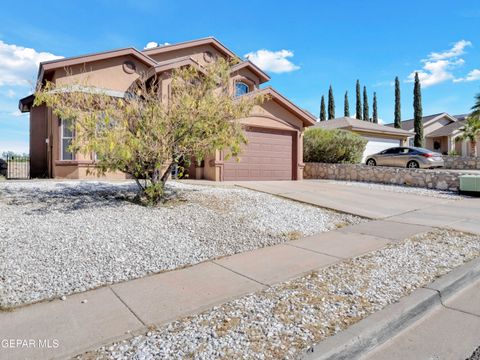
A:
{"points": [[372, 331]]}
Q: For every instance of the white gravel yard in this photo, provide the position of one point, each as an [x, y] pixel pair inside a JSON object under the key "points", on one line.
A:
{"points": [[61, 237], [285, 320], [442, 194]]}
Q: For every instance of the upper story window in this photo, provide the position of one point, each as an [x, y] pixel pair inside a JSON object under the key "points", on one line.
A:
{"points": [[66, 140], [241, 88]]}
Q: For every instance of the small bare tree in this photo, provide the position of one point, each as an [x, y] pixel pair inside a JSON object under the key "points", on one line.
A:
{"points": [[145, 136]]}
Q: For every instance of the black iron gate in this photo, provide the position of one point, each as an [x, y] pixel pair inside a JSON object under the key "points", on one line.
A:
{"points": [[18, 167]]}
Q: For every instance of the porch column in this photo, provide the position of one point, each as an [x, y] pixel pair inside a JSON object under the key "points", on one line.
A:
{"points": [[464, 148], [450, 144]]}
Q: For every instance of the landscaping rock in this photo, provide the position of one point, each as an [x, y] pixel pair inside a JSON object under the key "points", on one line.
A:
{"points": [[285, 320], [58, 238]]}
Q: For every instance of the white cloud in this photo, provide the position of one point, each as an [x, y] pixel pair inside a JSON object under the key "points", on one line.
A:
{"points": [[471, 76], [19, 65], [438, 67], [457, 49], [273, 61], [11, 93], [153, 44]]}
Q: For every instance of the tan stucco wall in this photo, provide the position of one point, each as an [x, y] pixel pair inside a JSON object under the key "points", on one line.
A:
{"points": [[106, 74], [109, 74], [195, 53]]}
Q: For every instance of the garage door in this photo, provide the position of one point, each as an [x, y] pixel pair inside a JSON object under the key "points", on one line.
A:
{"points": [[267, 156], [375, 145]]}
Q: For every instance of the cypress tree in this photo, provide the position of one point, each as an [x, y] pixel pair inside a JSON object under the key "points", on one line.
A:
{"points": [[417, 113], [331, 104], [358, 104], [375, 113], [398, 115], [346, 107], [365, 105], [323, 111]]}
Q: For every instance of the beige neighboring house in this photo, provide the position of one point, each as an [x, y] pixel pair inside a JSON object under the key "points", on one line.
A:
{"points": [[440, 132], [379, 137], [274, 129]]}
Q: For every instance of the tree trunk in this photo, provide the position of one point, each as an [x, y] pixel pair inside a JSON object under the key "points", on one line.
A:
{"points": [[167, 172], [473, 148]]}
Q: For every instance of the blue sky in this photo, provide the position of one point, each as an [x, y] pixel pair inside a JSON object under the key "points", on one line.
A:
{"points": [[308, 46]]}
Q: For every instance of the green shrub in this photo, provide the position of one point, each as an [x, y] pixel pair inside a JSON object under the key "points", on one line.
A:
{"points": [[333, 146]]}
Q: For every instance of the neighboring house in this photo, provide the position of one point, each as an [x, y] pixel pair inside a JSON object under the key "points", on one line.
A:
{"points": [[274, 129], [440, 131], [379, 137]]}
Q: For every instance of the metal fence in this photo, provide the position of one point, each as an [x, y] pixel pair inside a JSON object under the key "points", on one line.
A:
{"points": [[18, 167]]}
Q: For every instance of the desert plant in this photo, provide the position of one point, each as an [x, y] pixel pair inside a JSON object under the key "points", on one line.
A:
{"points": [[333, 146], [145, 136], [470, 132]]}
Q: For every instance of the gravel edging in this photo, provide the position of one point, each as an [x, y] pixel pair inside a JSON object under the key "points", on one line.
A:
{"points": [[287, 319], [64, 237]]}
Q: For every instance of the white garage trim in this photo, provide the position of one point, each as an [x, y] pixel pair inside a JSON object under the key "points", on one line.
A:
{"points": [[375, 145]]}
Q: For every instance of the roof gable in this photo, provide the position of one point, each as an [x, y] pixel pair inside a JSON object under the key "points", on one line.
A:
{"points": [[192, 43], [48, 66], [253, 68], [307, 118]]}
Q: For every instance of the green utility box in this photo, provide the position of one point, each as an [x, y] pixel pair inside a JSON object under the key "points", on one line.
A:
{"points": [[470, 185]]}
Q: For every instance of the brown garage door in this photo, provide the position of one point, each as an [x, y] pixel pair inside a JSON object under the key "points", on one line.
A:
{"points": [[267, 156]]}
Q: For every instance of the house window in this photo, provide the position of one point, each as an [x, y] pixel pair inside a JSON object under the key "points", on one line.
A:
{"points": [[241, 88], [66, 139]]}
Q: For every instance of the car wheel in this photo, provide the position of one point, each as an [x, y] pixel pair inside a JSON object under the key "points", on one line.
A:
{"points": [[413, 165], [371, 162]]}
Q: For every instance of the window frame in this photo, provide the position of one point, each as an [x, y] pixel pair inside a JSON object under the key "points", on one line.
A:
{"points": [[62, 138], [240, 82]]}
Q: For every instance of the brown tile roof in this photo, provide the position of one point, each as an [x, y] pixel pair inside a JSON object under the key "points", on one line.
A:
{"points": [[447, 129], [408, 124], [348, 123]]}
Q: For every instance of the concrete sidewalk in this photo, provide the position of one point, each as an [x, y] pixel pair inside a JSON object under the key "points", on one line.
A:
{"points": [[451, 331], [114, 312]]}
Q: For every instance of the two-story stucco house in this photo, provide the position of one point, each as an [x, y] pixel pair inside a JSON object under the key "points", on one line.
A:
{"points": [[274, 129]]}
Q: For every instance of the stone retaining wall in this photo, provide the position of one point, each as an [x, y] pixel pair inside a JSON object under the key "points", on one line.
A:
{"points": [[458, 162], [432, 179]]}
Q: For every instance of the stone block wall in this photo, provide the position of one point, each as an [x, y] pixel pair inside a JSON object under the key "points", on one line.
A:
{"points": [[463, 163], [426, 178]]}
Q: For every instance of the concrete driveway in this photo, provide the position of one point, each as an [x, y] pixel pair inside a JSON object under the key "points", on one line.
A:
{"points": [[463, 214]]}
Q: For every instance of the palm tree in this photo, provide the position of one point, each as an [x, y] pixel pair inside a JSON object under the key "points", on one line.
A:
{"points": [[471, 129]]}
